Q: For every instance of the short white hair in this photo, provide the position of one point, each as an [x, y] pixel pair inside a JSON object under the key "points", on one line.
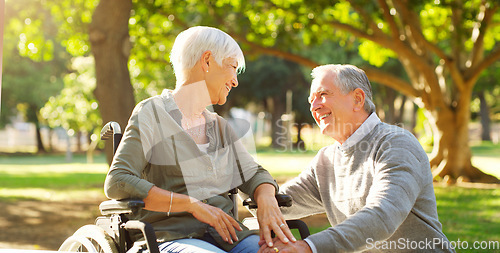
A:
{"points": [[192, 43], [348, 78]]}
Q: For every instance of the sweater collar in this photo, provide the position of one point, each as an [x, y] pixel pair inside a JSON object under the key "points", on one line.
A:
{"points": [[361, 132]]}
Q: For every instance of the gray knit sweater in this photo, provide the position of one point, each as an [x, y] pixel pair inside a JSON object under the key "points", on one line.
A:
{"points": [[377, 192]]}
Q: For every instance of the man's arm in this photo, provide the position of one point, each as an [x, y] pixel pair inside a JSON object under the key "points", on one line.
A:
{"points": [[304, 191], [395, 188]]}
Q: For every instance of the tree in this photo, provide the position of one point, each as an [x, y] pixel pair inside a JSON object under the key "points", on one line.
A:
{"points": [[35, 63], [266, 82], [442, 45], [75, 108], [487, 86], [110, 45]]}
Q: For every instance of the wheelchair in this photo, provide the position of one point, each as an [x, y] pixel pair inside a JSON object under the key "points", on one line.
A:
{"points": [[110, 233]]}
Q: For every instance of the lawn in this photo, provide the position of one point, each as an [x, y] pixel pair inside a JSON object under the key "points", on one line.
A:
{"points": [[50, 177], [467, 214]]}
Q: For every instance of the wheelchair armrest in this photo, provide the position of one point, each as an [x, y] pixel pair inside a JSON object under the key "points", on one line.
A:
{"points": [[121, 206], [283, 200]]}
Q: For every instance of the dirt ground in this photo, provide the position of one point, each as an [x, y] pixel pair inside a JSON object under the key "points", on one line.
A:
{"points": [[42, 225]]}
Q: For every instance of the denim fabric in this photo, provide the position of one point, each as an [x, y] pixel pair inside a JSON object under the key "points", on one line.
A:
{"points": [[207, 244]]}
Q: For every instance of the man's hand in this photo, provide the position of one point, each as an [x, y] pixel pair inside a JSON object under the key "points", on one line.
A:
{"points": [[298, 246], [270, 217]]}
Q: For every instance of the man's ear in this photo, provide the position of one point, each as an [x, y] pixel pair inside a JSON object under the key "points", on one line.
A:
{"points": [[205, 60], [359, 99]]}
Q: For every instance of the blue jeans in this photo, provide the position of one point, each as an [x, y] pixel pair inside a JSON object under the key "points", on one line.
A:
{"points": [[248, 245]]}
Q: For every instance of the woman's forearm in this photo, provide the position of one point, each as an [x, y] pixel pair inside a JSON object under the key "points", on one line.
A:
{"points": [[263, 192], [160, 200]]}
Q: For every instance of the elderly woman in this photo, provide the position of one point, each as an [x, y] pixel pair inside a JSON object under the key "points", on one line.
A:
{"points": [[182, 159]]}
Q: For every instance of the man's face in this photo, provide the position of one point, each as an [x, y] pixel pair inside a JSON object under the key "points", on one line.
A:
{"points": [[332, 110]]}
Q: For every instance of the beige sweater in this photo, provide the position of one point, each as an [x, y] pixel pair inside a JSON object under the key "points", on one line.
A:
{"points": [[376, 190]]}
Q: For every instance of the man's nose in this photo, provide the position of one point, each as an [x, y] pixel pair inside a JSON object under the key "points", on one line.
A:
{"points": [[315, 105], [234, 82]]}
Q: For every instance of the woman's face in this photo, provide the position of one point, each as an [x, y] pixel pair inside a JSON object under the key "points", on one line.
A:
{"points": [[221, 79]]}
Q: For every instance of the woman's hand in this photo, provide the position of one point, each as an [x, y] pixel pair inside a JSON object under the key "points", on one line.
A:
{"points": [[269, 216], [160, 200], [223, 223]]}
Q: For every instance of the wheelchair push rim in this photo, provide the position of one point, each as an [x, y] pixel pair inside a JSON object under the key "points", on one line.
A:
{"points": [[89, 238]]}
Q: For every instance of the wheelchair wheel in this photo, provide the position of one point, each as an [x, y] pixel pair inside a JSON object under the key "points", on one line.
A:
{"points": [[89, 238]]}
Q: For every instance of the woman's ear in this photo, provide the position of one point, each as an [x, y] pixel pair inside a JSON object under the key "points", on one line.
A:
{"points": [[359, 99]]}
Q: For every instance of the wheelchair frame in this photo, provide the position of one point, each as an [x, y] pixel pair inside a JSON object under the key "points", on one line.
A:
{"points": [[110, 234]]}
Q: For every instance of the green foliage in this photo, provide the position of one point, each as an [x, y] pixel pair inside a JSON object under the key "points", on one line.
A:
{"points": [[305, 28], [489, 82], [423, 130], [75, 107], [374, 53], [33, 62]]}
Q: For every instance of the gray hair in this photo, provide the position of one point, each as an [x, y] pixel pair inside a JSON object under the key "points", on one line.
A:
{"points": [[190, 44], [348, 78]]}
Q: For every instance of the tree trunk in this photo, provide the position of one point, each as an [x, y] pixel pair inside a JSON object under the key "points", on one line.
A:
{"points": [[279, 129], [401, 111], [484, 111], [39, 142], [79, 141], [390, 112], [50, 144], [111, 46], [451, 155], [299, 144]]}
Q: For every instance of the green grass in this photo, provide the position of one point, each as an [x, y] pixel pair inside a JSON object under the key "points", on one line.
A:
{"points": [[286, 165], [486, 156], [466, 214], [50, 177], [469, 214]]}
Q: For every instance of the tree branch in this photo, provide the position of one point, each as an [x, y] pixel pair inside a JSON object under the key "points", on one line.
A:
{"points": [[421, 47], [276, 52], [176, 19], [389, 18], [473, 73], [416, 32], [481, 29], [366, 17], [389, 80]]}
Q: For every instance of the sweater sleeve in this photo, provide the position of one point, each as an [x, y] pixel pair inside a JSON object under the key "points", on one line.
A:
{"points": [[124, 177], [398, 162], [304, 191]]}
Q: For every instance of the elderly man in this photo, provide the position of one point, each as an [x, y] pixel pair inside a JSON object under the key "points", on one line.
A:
{"points": [[374, 183]]}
